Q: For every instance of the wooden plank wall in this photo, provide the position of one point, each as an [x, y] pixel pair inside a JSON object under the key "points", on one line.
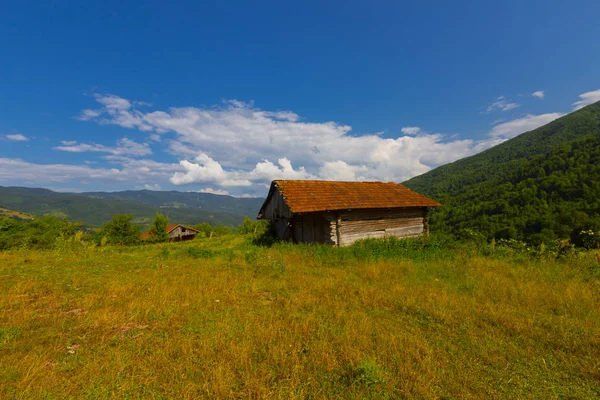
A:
{"points": [[178, 233], [276, 207], [362, 224], [349, 226], [277, 211], [313, 228]]}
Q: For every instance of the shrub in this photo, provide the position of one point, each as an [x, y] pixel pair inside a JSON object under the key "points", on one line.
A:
{"points": [[158, 229], [506, 233], [204, 228], [207, 230], [471, 236], [253, 227], [10, 230], [261, 231], [221, 230], [40, 233], [120, 230], [589, 239], [73, 243]]}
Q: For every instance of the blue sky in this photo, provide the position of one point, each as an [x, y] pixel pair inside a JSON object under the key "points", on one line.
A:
{"points": [[225, 96]]}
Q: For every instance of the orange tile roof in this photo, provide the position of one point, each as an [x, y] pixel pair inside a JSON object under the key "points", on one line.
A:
{"points": [[171, 227], [312, 196]]}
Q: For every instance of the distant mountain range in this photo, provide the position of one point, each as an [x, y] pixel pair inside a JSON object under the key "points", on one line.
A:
{"points": [[539, 186], [174, 199], [95, 208]]}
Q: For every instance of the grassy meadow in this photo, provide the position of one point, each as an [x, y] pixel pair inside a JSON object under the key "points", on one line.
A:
{"points": [[224, 318]]}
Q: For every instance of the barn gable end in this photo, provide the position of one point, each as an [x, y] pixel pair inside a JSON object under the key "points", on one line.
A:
{"points": [[276, 210], [176, 232]]}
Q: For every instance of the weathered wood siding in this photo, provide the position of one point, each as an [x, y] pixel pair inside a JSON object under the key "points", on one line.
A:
{"points": [[182, 233], [362, 224], [313, 228], [277, 211], [345, 227]]}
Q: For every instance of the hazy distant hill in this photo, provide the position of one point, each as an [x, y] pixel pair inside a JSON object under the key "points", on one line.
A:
{"points": [[95, 211], [174, 199], [541, 185]]}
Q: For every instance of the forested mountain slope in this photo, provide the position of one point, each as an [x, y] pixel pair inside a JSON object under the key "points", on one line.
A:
{"points": [[539, 186], [94, 212]]}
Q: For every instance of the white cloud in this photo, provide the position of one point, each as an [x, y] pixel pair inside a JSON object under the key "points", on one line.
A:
{"points": [[410, 130], [112, 102], [16, 169], [501, 104], [515, 127], [587, 99], [155, 187], [86, 115], [205, 169], [539, 94], [117, 111], [128, 171], [237, 145], [124, 147], [341, 171], [212, 191], [17, 137], [266, 171]]}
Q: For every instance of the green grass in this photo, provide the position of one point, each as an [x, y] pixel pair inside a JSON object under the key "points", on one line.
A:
{"points": [[222, 318]]}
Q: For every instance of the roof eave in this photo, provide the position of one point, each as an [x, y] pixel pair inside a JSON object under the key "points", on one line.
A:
{"points": [[361, 208]]}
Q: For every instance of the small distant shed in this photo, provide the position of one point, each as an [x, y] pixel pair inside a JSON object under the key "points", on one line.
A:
{"points": [[340, 213], [177, 232]]}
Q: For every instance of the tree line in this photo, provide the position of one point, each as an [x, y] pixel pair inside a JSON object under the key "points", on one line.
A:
{"points": [[47, 232]]}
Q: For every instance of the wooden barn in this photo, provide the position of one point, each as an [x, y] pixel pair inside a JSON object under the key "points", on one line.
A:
{"points": [[177, 232], [340, 213]]}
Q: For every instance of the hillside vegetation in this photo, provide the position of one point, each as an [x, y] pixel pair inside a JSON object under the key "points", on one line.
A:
{"points": [[540, 186], [95, 211], [223, 318], [4, 212]]}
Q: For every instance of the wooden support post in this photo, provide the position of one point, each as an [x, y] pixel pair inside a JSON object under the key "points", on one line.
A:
{"points": [[338, 223]]}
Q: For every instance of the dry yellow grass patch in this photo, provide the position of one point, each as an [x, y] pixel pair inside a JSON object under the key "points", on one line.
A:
{"points": [[225, 319]]}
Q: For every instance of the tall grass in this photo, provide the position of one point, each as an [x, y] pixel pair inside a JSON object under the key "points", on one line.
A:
{"points": [[224, 318]]}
